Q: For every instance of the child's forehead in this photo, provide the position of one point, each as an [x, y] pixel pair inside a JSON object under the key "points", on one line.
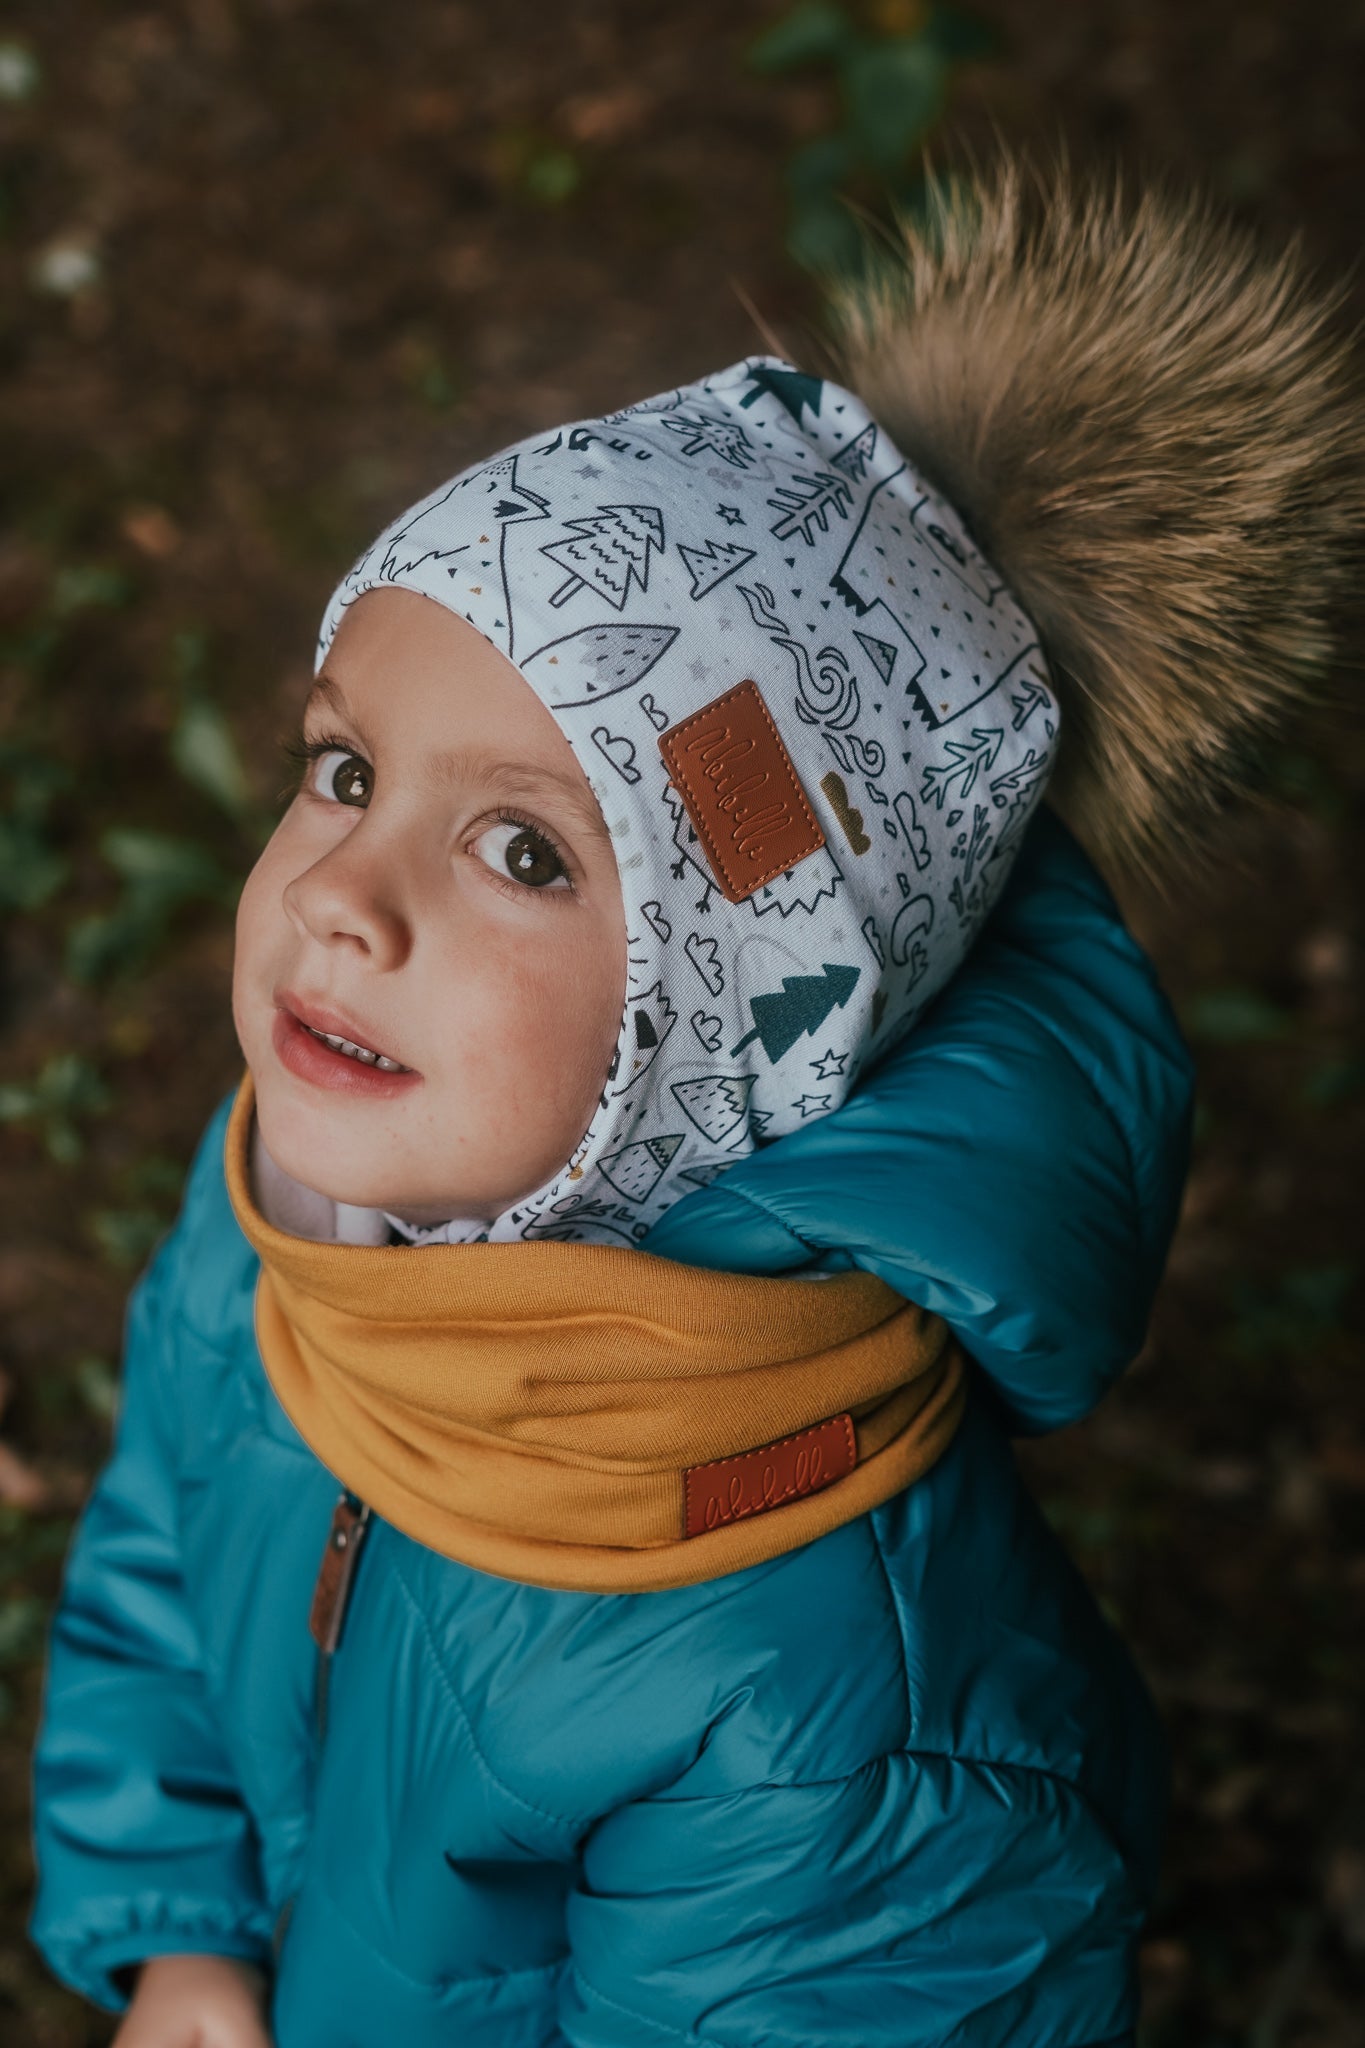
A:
{"points": [[457, 758]]}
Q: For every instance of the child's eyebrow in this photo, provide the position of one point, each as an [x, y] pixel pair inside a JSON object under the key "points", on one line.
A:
{"points": [[523, 778], [471, 764]]}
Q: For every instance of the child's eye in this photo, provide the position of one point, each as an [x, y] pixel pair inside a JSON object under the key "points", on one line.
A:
{"points": [[346, 778], [513, 846]]}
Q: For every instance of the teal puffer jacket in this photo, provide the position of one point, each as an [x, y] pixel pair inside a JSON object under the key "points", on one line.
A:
{"points": [[901, 1786]]}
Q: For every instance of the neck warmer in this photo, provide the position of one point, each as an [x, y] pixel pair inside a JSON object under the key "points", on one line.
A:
{"points": [[591, 1417], [816, 723]]}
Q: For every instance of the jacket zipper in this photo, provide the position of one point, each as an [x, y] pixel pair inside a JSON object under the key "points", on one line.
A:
{"points": [[326, 1618], [336, 1573], [332, 1592]]}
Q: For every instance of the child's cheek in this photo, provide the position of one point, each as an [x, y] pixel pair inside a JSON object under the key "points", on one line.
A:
{"points": [[541, 1012], [260, 926]]}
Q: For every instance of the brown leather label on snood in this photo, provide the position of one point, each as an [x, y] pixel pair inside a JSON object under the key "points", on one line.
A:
{"points": [[729, 1489], [743, 795]]}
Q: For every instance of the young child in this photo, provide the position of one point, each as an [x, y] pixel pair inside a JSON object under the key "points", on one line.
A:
{"points": [[682, 1660]]}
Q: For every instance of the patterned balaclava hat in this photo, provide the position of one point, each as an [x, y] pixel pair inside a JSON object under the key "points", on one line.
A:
{"points": [[813, 716]]}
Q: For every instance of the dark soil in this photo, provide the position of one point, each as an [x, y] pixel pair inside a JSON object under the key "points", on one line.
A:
{"points": [[331, 254]]}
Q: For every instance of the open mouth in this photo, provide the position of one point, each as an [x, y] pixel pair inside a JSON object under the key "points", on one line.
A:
{"points": [[331, 1058], [364, 1053]]}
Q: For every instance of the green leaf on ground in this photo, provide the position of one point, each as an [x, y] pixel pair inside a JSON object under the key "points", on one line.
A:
{"points": [[97, 1384], [205, 751], [813, 33]]}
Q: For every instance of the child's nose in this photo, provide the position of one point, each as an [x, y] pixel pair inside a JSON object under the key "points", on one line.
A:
{"points": [[343, 900]]}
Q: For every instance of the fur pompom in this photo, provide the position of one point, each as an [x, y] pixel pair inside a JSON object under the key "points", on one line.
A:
{"points": [[1155, 433]]}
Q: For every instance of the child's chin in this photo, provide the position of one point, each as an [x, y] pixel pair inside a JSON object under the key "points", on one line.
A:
{"points": [[307, 1145], [304, 1143]]}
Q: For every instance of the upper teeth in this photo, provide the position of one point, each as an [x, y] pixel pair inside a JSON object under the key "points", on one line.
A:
{"points": [[356, 1052]]}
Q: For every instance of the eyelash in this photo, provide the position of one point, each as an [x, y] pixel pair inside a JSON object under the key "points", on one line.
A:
{"points": [[301, 753]]}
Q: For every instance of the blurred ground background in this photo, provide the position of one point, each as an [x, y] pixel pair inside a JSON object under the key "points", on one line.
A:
{"points": [[271, 268]]}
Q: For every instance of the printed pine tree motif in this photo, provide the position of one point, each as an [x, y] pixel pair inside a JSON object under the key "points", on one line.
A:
{"points": [[705, 434], [808, 501], [793, 390], [971, 847], [710, 565], [973, 901], [854, 459], [1032, 697], [1012, 792], [1017, 780], [717, 1104], [636, 1170], [612, 550], [805, 1002], [969, 761], [596, 661]]}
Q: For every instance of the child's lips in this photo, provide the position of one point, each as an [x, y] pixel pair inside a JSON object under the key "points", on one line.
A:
{"points": [[303, 1053]]}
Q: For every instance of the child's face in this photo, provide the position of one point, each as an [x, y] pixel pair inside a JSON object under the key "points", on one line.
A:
{"points": [[441, 892]]}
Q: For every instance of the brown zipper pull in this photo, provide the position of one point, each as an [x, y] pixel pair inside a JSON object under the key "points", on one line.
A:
{"points": [[336, 1574]]}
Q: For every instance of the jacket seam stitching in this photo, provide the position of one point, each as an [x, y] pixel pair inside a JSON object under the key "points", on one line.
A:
{"points": [[899, 1620], [640, 2019], [915, 1754], [452, 1694]]}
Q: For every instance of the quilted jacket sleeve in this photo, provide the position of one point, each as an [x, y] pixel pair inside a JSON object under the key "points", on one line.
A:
{"points": [[1014, 1164], [884, 1909], [143, 1845]]}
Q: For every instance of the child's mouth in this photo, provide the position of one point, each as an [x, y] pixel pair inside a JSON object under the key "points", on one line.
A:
{"points": [[358, 1052], [330, 1060]]}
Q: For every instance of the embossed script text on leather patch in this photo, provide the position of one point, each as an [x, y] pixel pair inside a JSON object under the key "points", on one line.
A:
{"points": [[729, 1489], [742, 793]]}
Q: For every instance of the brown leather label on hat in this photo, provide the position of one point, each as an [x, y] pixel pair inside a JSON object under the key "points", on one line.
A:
{"points": [[728, 1489], [742, 793]]}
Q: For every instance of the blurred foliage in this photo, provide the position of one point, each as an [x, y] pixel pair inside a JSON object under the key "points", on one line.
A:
{"points": [[1234, 1016], [31, 868], [1217, 1502], [56, 1103], [147, 1191], [531, 165], [202, 745], [158, 874], [1304, 1306], [892, 66], [20, 72]]}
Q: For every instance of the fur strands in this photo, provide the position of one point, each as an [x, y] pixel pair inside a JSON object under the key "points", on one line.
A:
{"points": [[1155, 432]]}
